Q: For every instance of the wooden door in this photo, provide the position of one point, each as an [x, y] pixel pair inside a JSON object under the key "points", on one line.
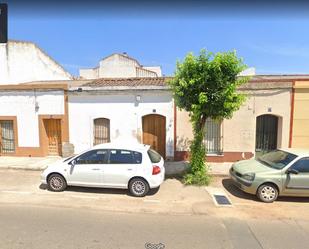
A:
{"points": [[154, 132], [53, 132]]}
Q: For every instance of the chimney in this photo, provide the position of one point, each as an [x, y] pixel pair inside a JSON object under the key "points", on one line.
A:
{"points": [[3, 23]]}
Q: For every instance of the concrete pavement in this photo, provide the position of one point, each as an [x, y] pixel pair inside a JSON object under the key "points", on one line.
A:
{"points": [[40, 163], [23, 187], [27, 163]]}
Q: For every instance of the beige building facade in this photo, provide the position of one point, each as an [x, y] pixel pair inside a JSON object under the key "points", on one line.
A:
{"points": [[263, 122], [300, 115]]}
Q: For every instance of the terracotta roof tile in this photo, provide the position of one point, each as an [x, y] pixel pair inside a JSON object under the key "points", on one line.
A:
{"points": [[128, 82]]}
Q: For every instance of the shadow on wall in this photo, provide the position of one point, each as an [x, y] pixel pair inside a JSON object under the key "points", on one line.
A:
{"points": [[182, 149], [183, 144], [169, 150]]}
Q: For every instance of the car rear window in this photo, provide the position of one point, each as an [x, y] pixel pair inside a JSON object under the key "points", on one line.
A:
{"points": [[154, 156]]}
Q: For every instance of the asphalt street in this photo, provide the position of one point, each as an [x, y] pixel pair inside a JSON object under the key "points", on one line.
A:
{"points": [[44, 227], [176, 216]]}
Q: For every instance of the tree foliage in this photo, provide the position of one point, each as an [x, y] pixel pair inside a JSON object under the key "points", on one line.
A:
{"points": [[206, 87]]}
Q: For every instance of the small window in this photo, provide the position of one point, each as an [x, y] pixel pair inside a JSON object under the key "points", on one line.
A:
{"points": [[101, 131], [7, 139], [213, 138], [154, 156], [302, 165], [124, 157], [92, 157]]}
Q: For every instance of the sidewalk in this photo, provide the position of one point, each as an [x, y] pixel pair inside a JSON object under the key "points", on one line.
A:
{"points": [[40, 163], [27, 163]]}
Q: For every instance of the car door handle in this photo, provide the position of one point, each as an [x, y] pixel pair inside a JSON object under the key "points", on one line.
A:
{"points": [[95, 169], [129, 169]]}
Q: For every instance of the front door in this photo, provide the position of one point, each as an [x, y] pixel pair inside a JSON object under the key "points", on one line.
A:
{"points": [[298, 182], [53, 133], [88, 168], [266, 133], [154, 132]]}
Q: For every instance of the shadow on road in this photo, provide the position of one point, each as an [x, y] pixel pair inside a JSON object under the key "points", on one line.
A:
{"points": [[293, 199], [76, 189], [233, 190]]}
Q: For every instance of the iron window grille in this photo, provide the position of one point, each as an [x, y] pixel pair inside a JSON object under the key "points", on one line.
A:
{"points": [[7, 140], [213, 139]]}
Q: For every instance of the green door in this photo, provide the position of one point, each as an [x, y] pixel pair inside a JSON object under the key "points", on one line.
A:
{"points": [[298, 182]]}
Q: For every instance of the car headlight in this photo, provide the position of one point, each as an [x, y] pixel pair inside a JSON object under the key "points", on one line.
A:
{"points": [[249, 176]]}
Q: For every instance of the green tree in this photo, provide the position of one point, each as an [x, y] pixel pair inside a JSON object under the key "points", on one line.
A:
{"points": [[206, 87]]}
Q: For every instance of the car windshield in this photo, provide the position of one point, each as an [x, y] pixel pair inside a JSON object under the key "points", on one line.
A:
{"points": [[277, 159]]}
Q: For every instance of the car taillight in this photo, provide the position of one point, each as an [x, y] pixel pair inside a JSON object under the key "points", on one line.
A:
{"points": [[156, 170]]}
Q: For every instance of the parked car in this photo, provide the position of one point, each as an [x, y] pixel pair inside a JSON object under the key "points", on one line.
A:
{"points": [[283, 172], [134, 167]]}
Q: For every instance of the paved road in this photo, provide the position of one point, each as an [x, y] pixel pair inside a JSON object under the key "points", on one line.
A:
{"points": [[181, 217], [26, 227]]}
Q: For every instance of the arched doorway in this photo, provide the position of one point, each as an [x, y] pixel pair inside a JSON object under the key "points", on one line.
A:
{"points": [[154, 132], [266, 133]]}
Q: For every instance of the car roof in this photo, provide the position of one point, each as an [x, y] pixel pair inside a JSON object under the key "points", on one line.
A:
{"points": [[123, 146], [297, 151]]}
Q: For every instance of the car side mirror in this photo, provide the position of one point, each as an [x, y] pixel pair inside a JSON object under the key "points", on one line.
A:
{"points": [[73, 162], [292, 171]]}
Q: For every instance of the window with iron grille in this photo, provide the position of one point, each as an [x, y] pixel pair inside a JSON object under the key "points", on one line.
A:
{"points": [[101, 131], [7, 139], [213, 137]]}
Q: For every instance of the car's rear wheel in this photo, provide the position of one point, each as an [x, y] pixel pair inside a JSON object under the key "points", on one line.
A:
{"points": [[267, 192], [56, 183], [138, 187]]}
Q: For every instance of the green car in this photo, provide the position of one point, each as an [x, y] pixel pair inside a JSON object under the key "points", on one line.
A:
{"points": [[283, 172]]}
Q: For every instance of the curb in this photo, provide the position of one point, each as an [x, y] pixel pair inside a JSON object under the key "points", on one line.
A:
{"points": [[215, 174], [21, 168]]}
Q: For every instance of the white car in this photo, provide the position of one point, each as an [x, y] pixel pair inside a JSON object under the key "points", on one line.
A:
{"points": [[134, 167]]}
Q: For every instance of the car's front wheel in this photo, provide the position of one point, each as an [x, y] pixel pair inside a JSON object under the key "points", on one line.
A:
{"points": [[267, 192], [138, 187], [56, 183]]}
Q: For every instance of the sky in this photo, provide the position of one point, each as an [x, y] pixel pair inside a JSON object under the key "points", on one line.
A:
{"points": [[273, 40]]}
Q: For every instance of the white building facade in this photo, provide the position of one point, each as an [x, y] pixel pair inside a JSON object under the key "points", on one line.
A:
{"points": [[22, 62], [144, 114], [33, 120], [120, 66]]}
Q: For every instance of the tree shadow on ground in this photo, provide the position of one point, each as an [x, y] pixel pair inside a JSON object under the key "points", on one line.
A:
{"points": [[178, 177]]}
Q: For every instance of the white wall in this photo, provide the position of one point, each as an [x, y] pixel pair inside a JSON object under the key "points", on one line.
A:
{"points": [[25, 62], [124, 113], [117, 66], [89, 73], [120, 66], [22, 105]]}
